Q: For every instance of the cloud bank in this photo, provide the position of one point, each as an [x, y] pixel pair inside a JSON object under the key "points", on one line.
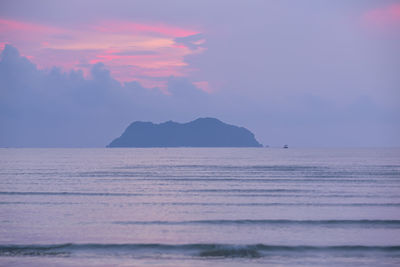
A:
{"points": [[52, 108], [56, 108]]}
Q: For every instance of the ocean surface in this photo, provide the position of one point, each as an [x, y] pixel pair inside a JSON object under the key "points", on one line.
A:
{"points": [[200, 207]]}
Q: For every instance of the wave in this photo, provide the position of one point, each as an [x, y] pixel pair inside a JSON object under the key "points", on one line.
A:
{"points": [[280, 222], [166, 203], [166, 192], [75, 194], [322, 172], [229, 167], [192, 250], [370, 170], [266, 204], [277, 190], [252, 179]]}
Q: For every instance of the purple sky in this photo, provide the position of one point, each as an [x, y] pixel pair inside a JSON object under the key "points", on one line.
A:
{"points": [[306, 73]]}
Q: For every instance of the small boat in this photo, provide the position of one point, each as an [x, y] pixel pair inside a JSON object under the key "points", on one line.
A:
{"points": [[285, 146]]}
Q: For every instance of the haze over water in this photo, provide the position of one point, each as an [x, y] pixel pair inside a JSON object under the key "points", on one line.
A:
{"points": [[199, 207]]}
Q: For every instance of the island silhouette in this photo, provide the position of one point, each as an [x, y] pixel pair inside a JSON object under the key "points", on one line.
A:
{"points": [[202, 132]]}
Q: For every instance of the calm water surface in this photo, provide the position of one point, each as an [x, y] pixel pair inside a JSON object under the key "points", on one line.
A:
{"points": [[200, 207]]}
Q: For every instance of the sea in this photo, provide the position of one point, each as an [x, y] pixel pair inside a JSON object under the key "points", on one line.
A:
{"points": [[199, 207]]}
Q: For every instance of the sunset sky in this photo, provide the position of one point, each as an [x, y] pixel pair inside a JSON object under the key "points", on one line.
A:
{"points": [[306, 73]]}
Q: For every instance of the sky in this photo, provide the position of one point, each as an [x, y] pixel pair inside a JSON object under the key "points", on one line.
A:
{"points": [[310, 73]]}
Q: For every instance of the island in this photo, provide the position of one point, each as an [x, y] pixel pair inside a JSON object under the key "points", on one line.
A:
{"points": [[202, 132]]}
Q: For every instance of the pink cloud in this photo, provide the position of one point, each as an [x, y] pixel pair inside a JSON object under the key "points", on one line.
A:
{"points": [[130, 50], [2, 45], [383, 17], [179, 46], [108, 57], [204, 85]]}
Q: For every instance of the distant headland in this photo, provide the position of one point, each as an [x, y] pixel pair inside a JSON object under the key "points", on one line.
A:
{"points": [[202, 132]]}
